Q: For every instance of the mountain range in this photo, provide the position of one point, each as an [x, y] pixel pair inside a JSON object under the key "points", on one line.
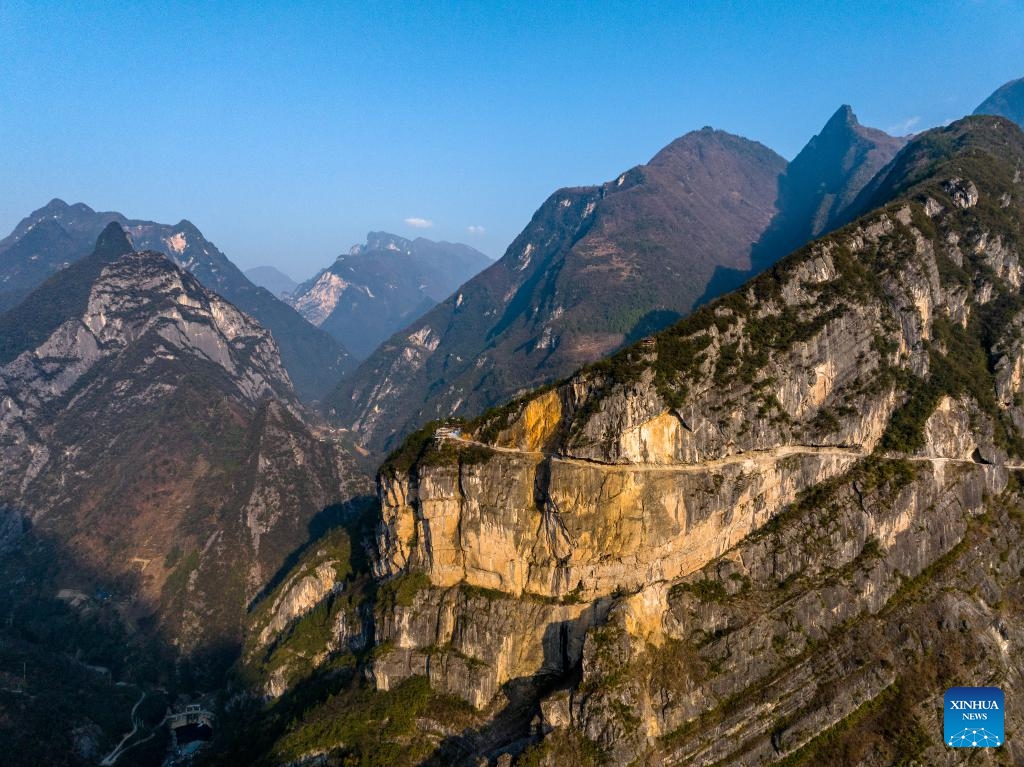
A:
{"points": [[383, 285], [597, 267], [273, 279], [59, 234], [718, 464]]}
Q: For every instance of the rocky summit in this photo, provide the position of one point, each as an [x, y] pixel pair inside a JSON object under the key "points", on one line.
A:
{"points": [[774, 532]]}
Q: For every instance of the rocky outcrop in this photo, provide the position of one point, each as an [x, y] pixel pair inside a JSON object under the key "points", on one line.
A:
{"points": [[558, 527], [507, 639], [776, 642], [301, 595]]}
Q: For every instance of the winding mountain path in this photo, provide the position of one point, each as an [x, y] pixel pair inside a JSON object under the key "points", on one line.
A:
{"points": [[114, 755]]}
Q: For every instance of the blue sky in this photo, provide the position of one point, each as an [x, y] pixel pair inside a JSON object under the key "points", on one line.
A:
{"points": [[286, 131]]}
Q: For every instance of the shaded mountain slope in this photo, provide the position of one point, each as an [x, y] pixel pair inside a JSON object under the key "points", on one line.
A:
{"points": [[60, 234], [817, 192], [821, 183]]}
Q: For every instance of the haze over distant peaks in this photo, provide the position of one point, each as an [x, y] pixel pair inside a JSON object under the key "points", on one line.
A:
{"points": [[1007, 101], [381, 286], [271, 278]]}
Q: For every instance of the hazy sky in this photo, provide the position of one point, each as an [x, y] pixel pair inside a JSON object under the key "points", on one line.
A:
{"points": [[286, 131]]}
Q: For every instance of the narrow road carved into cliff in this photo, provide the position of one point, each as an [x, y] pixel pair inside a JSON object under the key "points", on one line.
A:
{"points": [[752, 457]]}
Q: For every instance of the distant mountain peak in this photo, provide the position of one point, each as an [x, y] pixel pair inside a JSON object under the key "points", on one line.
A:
{"points": [[57, 235], [844, 117], [381, 241], [382, 285], [823, 181], [1007, 101], [113, 241], [271, 278]]}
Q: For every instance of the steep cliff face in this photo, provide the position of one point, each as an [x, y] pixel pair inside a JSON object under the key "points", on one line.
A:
{"points": [[714, 524], [152, 441], [594, 267]]}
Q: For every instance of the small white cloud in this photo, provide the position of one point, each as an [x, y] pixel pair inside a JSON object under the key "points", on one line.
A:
{"points": [[904, 127], [475, 229], [419, 223]]}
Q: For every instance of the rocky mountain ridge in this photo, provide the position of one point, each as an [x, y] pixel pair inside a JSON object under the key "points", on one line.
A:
{"points": [[153, 444], [59, 234]]}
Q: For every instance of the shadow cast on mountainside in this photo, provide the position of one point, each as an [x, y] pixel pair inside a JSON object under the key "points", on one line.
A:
{"points": [[73, 664], [355, 515], [512, 730], [652, 322], [518, 724], [776, 241], [79, 642]]}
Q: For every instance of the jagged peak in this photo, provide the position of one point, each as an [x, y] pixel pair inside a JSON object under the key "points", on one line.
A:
{"points": [[843, 116], [188, 227]]}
